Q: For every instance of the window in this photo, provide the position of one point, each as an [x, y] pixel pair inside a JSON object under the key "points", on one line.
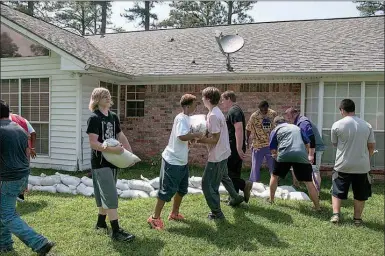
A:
{"points": [[31, 101], [311, 101], [14, 44], [135, 95], [114, 91]]}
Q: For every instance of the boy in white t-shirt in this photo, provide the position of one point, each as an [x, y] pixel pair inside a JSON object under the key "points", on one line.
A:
{"points": [[219, 150], [174, 172]]}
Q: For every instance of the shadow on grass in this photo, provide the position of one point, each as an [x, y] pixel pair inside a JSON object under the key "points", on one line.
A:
{"points": [[28, 207], [140, 246], [244, 234], [272, 215]]}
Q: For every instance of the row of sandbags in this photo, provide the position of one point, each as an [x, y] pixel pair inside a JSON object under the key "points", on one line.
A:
{"points": [[144, 188]]}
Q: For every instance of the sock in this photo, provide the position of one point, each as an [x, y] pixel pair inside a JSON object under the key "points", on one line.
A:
{"points": [[115, 226], [101, 221]]}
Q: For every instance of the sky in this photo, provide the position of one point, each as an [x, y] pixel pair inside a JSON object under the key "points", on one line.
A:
{"points": [[262, 11]]}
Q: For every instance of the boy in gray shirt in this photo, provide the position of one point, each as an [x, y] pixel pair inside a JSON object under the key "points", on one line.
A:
{"points": [[289, 147], [355, 144]]}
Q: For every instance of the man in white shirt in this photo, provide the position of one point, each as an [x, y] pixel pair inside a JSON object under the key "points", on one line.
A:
{"points": [[219, 151], [174, 172], [355, 144]]}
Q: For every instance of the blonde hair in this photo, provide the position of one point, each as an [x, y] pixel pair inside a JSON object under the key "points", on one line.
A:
{"points": [[96, 95]]}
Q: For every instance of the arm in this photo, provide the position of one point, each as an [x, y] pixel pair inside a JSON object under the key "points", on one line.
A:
{"points": [[213, 140], [191, 136], [273, 144], [33, 142], [239, 139], [308, 129], [371, 147], [96, 145], [248, 129], [123, 139]]}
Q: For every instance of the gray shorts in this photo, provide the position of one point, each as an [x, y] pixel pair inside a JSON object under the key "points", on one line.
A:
{"points": [[104, 180], [173, 178]]}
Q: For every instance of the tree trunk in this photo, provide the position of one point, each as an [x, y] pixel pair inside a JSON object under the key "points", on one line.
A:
{"points": [[104, 17], [230, 12], [147, 17], [83, 21], [30, 7]]}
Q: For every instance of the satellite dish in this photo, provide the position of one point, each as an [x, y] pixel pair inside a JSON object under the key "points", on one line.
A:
{"points": [[229, 44]]}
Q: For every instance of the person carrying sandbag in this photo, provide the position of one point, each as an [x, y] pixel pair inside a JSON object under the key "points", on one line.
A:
{"points": [[102, 125]]}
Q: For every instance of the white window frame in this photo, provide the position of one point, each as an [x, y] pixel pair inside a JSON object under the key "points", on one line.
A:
{"points": [[131, 100]]}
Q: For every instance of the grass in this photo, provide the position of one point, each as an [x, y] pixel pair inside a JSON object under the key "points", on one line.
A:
{"points": [[286, 228]]}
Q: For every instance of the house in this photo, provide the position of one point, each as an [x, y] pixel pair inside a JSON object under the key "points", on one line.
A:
{"points": [[48, 74]]}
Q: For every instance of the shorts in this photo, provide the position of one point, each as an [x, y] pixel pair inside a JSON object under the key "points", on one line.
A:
{"points": [[173, 178], [361, 185], [303, 172], [104, 180]]}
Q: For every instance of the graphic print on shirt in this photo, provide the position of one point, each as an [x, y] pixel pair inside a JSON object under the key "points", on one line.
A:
{"points": [[266, 124], [109, 133]]}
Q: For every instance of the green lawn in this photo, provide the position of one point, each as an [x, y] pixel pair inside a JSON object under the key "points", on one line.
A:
{"points": [[286, 228]]}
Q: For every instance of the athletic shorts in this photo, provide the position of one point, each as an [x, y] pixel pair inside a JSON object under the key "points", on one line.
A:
{"points": [[303, 172], [361, 185], [173, 179]]}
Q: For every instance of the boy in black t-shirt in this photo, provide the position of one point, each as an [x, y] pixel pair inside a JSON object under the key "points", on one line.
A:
{"points": [[104, 124]]}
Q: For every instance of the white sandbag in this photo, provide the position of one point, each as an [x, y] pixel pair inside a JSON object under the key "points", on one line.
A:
{"points": [[301, 196], [140, 185], [259, 187], [29, 187], [195, 182], [34, 180], [50, 180], [124, 160], [50, 189], [87, 181], [70, 180], [198, 123], [154, 182], [84, 190], [122, 186], [266, 194], [134, 194], [222, 190], [154, 193], [288, 188], [194, 191], [119, 191], [61, 188]]}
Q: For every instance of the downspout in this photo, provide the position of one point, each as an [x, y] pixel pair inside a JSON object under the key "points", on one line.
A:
{"points": [[79, 144]]}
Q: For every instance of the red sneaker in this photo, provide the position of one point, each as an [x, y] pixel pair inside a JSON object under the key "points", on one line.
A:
{"points": [[155, 223], [177, 217]]}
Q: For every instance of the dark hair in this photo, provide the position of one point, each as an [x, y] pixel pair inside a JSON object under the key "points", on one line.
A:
{"points": [[348, 105], [263, 104], [229, 94], [212, 94], [187, 100], [4, 109]]}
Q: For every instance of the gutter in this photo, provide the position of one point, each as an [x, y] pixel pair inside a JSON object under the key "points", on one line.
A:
{"points": [[108, 71]]}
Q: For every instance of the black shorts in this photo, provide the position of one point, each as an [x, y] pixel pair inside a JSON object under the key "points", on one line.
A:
{"points": [[303, 172], [173, 178], [361, 185]]}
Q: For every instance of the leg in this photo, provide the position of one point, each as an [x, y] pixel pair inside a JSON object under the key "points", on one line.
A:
{"points": [[358, 209], [361, 185], [101, 222], [211, 180], [257, 158], [12, 222], [269, 159], [280, 171], [234, 166], [340, 188], [313, 193], [336, 204], [182, 191], [304, 172], [316, 171], [273, 186]]}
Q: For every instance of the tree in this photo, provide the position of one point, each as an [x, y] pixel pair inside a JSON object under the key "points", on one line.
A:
{"points": [[38, 9], [104, 7], [370, 8], [185, 14], [39, 50], [143, 14], [8, 47], [239, 9]]}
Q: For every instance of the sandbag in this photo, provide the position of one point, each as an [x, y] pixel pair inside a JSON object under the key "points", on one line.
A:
{"points": [[288, 188], [154, 182], [119, 191], [195, 182], [134, 194], [198, 123], [194, 191], [259, 187], [266, 194], [84, 190], [61, 188], [140, 185], [34, 180], [50, 180], [124, 160], [154, 193], [29, 187], [222, 190], [87, 181], [122, 186], [301, 196], [70, 180], [50, 189]]}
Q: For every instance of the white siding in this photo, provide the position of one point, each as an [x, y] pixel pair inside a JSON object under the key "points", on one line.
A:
{"points": [[63, 107]]}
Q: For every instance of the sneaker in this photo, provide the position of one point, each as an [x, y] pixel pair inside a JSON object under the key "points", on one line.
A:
{"points": [[122, 236], [358, 222], [247, 190], [235, 202], [20, 198], [177, 217], [335, 218], [45, 249], [216, 216], [155, 223]]}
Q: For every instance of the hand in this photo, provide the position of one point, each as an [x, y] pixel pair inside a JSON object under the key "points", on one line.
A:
{"points": [[32, 153], [274, 156], [241, 154], [117, 149], [311, 158], [199, 135]]}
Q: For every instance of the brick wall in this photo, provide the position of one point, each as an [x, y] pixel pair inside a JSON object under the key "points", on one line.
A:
{"points": [[149, 135]]}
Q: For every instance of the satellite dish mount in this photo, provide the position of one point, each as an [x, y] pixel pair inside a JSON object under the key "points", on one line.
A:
{"points": [[229, 44]]}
